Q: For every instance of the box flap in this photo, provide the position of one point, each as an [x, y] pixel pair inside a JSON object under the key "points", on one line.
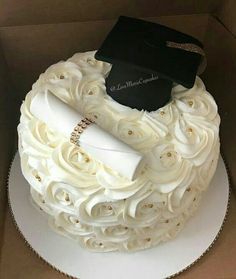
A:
{"points": [[226, 13], [25, 12]]}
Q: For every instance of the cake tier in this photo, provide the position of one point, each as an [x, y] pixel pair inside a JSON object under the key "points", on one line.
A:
{"points": [[90, 202]]}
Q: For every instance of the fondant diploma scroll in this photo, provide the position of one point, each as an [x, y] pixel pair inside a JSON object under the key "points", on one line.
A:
{"points": [[98, 143]]}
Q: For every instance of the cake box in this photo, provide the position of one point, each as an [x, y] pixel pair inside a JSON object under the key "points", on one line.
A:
{"points": [[37, 35]]}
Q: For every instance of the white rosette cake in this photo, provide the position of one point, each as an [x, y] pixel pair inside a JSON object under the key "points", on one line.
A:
{"points": [[91, 203]]}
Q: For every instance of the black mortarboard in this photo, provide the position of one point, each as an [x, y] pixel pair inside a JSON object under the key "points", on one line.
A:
{"points": [[147, 58]]}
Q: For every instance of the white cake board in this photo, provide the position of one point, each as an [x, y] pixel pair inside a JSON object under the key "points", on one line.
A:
{"points": [[162, 261]]}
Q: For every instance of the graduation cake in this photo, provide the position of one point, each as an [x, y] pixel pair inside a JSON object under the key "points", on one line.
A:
{"points": [[118, 152]]}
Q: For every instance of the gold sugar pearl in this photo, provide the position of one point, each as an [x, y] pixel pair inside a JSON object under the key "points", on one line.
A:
{"points": [[77, 221], [87, 160], [149, 205], [168, 154], [188, 189], [190, 130], [190, 103], [61, 77], [126, 228], [90, 92], [178, 224], [130, 132], [67, 198], [109, 207], [162, 112], [148, 239], [100, 244], [38, 178], [91, 61]]}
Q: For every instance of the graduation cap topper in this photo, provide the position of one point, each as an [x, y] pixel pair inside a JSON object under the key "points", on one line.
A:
{"points": [[147, 58]]}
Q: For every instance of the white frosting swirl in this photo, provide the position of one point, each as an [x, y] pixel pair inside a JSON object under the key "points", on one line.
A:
{"points": [[71, 166], [137, 133], [117, 187], [72, 225], [93, 204], [62, 79], [173, 170], [194, 138], [98, 210], [88, 64]]}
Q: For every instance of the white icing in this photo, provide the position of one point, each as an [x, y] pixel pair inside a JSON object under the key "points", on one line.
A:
{"points": [[93, 204]]}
